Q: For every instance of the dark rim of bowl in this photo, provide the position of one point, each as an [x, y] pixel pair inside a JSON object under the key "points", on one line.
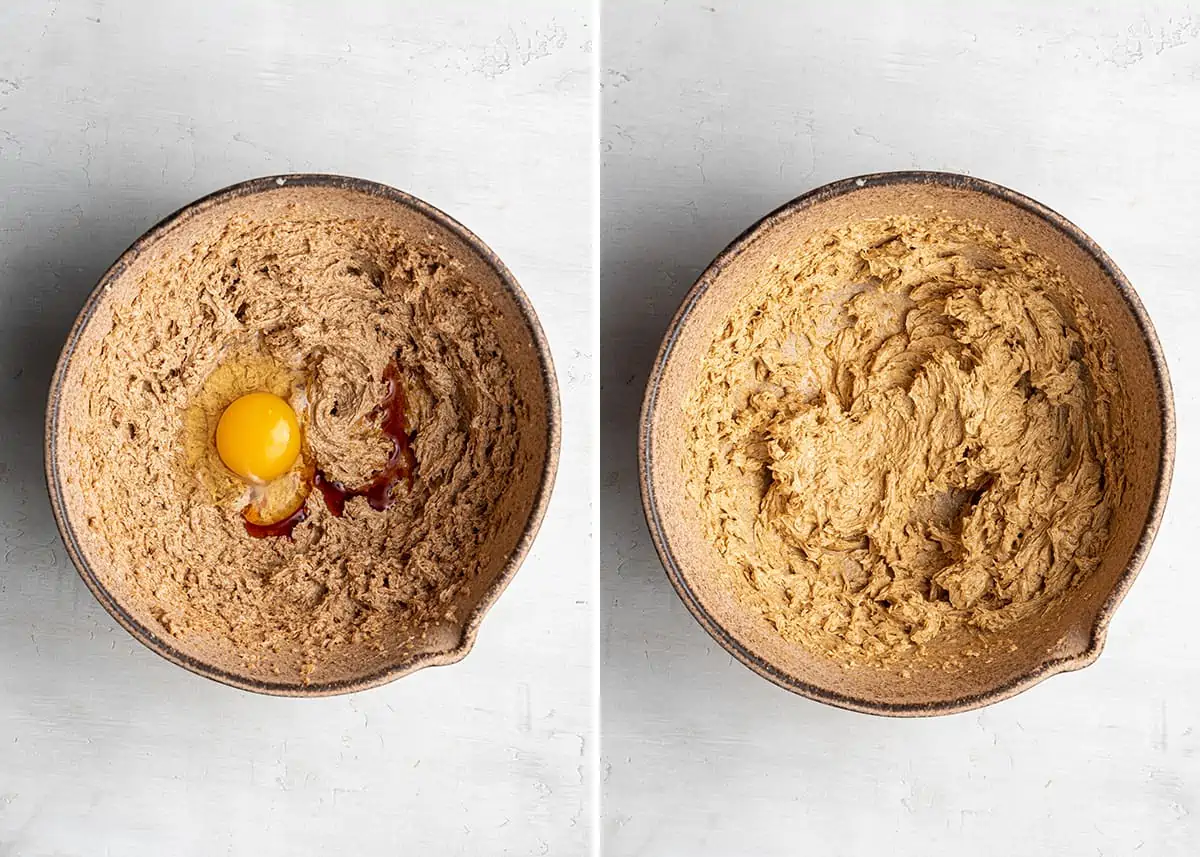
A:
{"points": [[155, 642], [1051, 665]]}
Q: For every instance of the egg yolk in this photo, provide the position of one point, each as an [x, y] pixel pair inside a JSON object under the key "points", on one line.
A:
{"points": [[258, 437]]}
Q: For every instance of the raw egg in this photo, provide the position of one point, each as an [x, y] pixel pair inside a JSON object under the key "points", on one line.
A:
{"points": [[258, 437], [244, 439]]}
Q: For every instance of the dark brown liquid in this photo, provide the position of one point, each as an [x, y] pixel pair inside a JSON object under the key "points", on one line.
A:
{"points": [[402, 464], [279, 528]]}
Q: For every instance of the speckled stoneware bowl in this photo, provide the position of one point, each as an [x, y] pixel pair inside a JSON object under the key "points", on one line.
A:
{"points": [[353, 667], [1063, 639]]}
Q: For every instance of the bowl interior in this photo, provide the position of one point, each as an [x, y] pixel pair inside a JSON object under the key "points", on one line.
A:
{"points": [[944, 680], [519, 511]]}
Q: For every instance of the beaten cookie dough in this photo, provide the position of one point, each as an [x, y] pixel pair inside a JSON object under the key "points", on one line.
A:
{"points": [[907, 427], [325, 304]]}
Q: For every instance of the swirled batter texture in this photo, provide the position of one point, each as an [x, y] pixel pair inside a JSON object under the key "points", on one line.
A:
{"points": [[315, 310], [906, 428]]}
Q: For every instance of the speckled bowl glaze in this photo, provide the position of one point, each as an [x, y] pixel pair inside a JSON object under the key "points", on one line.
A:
{"points": [[1065, 638], [524, 346]]}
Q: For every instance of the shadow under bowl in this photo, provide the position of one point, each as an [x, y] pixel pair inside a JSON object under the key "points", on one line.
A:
{"points": [[1057, 641], [352, 667]]}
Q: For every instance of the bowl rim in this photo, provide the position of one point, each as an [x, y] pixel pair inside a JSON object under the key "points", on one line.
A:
{"points": [[1052, 665], [253, 187]]}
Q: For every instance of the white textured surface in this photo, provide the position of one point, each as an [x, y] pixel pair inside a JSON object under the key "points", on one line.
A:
{"points": [[113, 114], [716, 112]]}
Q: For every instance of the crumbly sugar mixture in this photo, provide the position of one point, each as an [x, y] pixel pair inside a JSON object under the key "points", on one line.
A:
{"points": [[908, 427], [314, 310]]}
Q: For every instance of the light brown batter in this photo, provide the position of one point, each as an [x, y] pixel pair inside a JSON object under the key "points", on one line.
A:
{"points": [[314, 310], [905, 429]]}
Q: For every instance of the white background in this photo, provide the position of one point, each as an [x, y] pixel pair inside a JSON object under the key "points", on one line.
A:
{"points": [[716, 112], [113, 114]]}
